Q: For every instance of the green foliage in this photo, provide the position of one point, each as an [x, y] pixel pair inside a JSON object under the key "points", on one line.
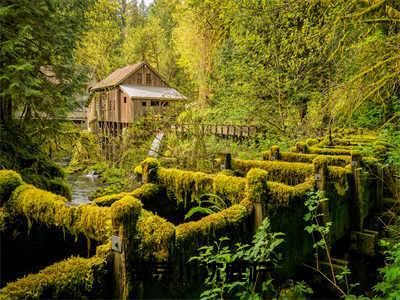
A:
{"points": [[24, 154], [39, 76], [217, 257], [388, 288], [85, 152], [207, 204], [9, 181], [75, 277], [320, 229]]}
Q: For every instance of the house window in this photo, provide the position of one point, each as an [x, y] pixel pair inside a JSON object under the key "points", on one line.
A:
{"points": [[164, 104], [154, 103], [144, 103], [124, 99], [139, 78], [148, 79]]}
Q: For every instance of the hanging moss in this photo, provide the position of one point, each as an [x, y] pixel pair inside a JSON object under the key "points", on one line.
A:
{"points": [[72, 278], [9, 181], [280, 171], [156, 236], [186, 186], [51, 210]]}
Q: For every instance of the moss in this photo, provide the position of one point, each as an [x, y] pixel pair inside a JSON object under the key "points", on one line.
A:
{"points": [[329, 151], [286, 172], [143, 193], [75, 278], [149, 169], [94, 222], [280, 194], [229, 187], [156, 235], [51, 210], [107, 200], [9, 181], [257, 185], [226, 172], [147, 192], [138, 170], [186, 186], [209, 225], [311, 142], [302, 147], [124, 209], [339, 178]]}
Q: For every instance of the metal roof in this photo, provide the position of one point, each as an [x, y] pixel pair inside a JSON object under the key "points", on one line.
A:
{"points": [[151, 92], [116, 77]]}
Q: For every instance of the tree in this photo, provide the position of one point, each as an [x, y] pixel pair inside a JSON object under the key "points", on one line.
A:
{"points": [[100, 47], [38, 74]]}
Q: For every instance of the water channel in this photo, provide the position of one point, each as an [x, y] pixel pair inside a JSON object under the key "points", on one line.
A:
{"points": [[82, 186]]}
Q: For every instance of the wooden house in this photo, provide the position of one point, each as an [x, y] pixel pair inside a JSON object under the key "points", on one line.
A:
{"points": [[128, 94]]}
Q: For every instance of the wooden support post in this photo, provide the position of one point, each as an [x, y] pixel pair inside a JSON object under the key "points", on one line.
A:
{"points": [[124, 216], [275, 153], [257, 191], [357, 205], [149, 171], [321, 184], [364, 242], [226, 161]]}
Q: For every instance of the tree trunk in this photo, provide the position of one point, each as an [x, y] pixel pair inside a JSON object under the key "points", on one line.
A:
{"points": [[5, 110]]}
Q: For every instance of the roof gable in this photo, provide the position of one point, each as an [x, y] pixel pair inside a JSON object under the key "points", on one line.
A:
{"points": [[121, 74]]}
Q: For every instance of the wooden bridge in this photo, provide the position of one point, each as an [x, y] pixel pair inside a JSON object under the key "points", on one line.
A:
{"points": [[225, 130]]}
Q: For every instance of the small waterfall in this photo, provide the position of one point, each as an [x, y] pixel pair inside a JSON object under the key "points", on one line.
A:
{"points": [[156, 144]]}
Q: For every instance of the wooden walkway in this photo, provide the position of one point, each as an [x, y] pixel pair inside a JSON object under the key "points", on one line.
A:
{"points": [[236, 131]]}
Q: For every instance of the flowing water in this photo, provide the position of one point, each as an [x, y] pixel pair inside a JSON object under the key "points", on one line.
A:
{"points": [[82, 186]]}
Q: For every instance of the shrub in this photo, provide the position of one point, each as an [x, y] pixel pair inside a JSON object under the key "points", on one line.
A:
{"points": [[9, 181]]}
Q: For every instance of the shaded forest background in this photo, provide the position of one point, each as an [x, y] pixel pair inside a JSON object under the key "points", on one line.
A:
{"points": [[298, 66]]}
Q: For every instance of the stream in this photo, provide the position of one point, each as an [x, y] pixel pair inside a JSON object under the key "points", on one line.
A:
{"points": [[82, 186]]}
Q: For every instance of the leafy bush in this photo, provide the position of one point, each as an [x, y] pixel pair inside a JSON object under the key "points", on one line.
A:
{"points": [[9, 181]]}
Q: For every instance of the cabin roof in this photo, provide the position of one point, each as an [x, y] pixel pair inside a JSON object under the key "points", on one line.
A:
{"points": [[116, 77], [151, 92], [119, 75]]}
